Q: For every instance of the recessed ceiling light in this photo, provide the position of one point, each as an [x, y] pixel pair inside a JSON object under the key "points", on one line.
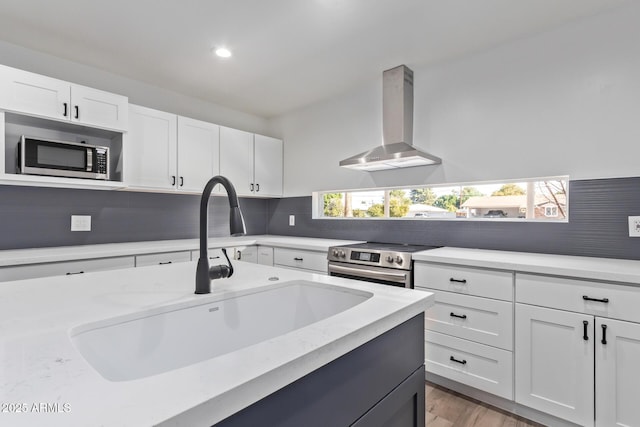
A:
{"points": [[222, 52]]}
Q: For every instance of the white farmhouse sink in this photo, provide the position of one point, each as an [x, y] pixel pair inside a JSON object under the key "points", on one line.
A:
{"points": [[156, 341]]}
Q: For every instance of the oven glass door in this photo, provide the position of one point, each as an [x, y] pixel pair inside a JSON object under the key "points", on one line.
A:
{"points": [[384, 276]]}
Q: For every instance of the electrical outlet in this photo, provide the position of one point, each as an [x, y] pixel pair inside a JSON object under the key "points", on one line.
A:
{"points": [[292, 220], [80, 222], [634, 226]]}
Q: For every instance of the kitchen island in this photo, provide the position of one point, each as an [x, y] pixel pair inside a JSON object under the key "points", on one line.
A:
{"points": [[44, 380]]}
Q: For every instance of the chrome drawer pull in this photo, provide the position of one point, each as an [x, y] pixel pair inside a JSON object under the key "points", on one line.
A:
{"points": [[164, 263], [298, 259], [77, 272], [462, 362], [603, 300], [457, 280], [464, 316]]}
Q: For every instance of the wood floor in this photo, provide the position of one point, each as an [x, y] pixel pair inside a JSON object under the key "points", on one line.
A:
{"points": [[446, 408]]}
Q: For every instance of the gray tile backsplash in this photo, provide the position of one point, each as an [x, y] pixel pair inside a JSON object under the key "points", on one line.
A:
{"points": [[40, 217], [597, 225]]}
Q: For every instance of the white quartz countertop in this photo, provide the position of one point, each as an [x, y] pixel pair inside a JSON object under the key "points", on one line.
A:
{"points": [[107, 250], [44, 380], [606, 269]]}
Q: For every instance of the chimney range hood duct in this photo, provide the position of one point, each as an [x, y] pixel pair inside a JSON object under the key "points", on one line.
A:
{"points": [[396, 150]]}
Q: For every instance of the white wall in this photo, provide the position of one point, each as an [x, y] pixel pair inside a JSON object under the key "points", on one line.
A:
{"points": [[138, 92], [563, 102]]}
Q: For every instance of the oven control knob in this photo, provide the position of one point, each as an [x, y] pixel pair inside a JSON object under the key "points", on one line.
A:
{"points": [[389, 259], [334, 253], [341, 253], [399, 260]]}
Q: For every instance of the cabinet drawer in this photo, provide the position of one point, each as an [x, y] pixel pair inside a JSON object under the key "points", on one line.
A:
{"points": [[483, 320], [465, 280], [480, 366], [163, 258], [569, 294], [265, 255], [31, 271], [307, 260]]}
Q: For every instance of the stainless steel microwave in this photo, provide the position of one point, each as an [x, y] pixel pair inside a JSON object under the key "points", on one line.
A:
{"points": [[59, 158]]}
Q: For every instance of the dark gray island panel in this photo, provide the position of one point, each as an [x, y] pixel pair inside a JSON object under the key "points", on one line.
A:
{"points": [[380, 383]]}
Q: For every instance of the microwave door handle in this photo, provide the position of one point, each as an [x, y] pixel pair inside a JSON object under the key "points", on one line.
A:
{"points": [[89, 160]]}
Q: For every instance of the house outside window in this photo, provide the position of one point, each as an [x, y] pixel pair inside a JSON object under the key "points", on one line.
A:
{"points": [[543, 199], [551, 211]]}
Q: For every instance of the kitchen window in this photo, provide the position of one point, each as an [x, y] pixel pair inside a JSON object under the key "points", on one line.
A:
{"points": [[539, 199]]}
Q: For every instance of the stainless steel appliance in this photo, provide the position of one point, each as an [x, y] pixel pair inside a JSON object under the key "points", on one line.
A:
{"points": [[60, 158], [384, 263]]}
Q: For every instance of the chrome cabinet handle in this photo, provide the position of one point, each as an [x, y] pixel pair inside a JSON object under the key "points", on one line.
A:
{"points": [[251, 186], [182, 181], [173, 180], [64, 114], [77, 111], [257, 187], [604, 335]]}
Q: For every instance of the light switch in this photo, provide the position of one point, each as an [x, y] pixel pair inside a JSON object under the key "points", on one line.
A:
{"points": [[292, 220]]}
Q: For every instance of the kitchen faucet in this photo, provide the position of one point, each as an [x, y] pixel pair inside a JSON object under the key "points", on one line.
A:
{"points": [[204, 274]]}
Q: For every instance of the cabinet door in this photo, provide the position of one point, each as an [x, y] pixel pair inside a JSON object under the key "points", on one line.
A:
{"points": [[150, 148], [198, 153], [34, 94], [247, 254], [265, 255], [95, 107], [236, 159], [617, 373], [554, 363], [268, 166]]}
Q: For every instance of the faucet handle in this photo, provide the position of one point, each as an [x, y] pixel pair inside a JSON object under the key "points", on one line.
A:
{"points": [[221, 271]]}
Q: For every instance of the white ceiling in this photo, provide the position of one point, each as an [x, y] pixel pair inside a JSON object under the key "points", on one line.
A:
{"points": [[287, 53]]}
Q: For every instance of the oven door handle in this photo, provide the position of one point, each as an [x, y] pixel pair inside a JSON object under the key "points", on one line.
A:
{"points": [[390, 276]]}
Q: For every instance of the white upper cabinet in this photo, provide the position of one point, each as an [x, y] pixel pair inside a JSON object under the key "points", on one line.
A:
{"points": [[41, 96], [165, 151], [151, 149], [267, 166], [236, 159], [253, 163], [198, 153]]}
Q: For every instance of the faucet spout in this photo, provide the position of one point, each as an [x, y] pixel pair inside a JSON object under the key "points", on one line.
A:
{"points": [[204, 273]]}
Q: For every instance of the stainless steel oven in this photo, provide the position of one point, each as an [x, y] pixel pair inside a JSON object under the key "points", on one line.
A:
{"points": [[384, 263]]}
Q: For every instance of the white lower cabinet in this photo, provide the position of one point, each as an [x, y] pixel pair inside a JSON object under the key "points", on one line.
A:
{"points": [[570, 354], [265, 255], [164, 258], [31, 271], [481, 366], [247, 254], [300, 259], [617, 373], [554, 362], [469, 328]]}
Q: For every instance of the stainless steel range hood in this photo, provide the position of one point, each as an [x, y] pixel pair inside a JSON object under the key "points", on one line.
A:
{"points": [[396, 150]]}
